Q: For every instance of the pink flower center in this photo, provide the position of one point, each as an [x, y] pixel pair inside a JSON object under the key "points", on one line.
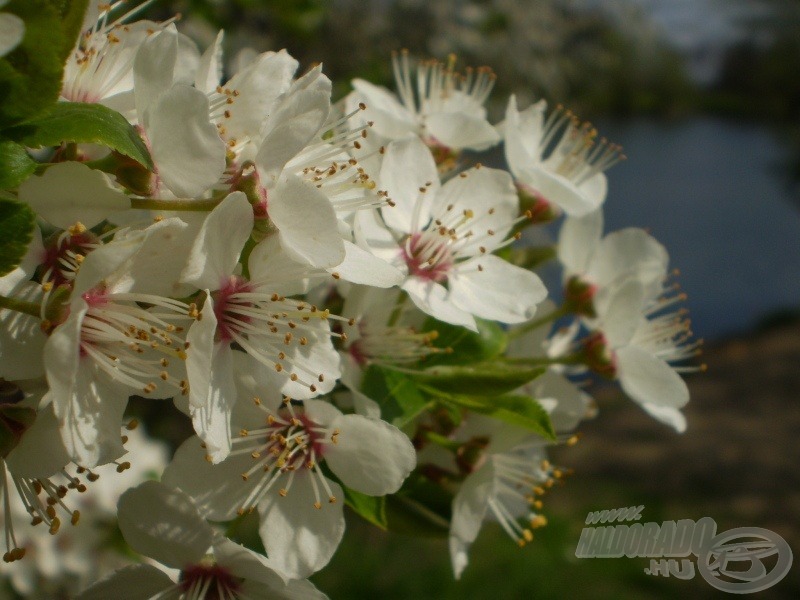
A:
{"points": [[217, 581], [64, 254], [428, 255], [229, 309]]}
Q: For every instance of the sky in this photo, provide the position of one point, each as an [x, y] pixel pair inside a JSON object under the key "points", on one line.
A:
{"points": [[700, 29]]}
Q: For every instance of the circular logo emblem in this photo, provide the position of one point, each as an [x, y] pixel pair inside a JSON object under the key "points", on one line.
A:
{"points": [[738, 561]]}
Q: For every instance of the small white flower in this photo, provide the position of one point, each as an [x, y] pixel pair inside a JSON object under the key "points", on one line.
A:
{"points": [[100, 67], [557, 159], [275, 467], [187, 151], [439, 234], [109, 347], [164, 524], [447, 111], [594, 264], [636, 342], [506, 469], [288, 341]]}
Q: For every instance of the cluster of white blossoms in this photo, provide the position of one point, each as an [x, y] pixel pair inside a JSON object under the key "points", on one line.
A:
{"points": [[332, 293]]}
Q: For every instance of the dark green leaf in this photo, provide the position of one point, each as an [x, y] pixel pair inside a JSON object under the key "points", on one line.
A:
{"points": [[83, 123], [514, 409], [468, 347], [398, 396], [16, 229], [420, 508], [72, 12], [481, 379], [30, 75], [371, 508], [15, 165]]}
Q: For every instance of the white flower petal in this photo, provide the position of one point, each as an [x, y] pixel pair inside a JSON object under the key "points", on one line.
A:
{"points": [[216, 250], [432, 299], [70, 191], [578, 240], [188, 61], [306, 223], [522, 132], [556, 189], [299, 538], [188, 153], [155, 267], [88, 408], [107, 261], [370, 456], [22, 340], [217, 490], [274, 269], [298, 589], [322, 412], [469, 509], [391, 119], [12, 30], [316, 358], [34, 256], [458, 130], [135, 581], [359, 266], [370, 232], [243, 562], [407, 167], [563, 400], [666, 414], [620, 311], [259, 85], [164, 524], [292, 125], [40, 453], [649, 380], [634, 252], [200, 354], [154, 69], [490, 196], [500, 291], [212, 419], [209, 71]]}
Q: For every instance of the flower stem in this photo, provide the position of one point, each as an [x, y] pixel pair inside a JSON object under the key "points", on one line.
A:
{"points": [[537, 322], [29, 308], [180, 204], [398, 309], [543, 361], [442, 441]]}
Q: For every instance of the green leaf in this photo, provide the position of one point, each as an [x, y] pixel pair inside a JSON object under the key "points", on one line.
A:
{"points": [[420, 508], [83, 123], [15, 165], [17, 221], [398, 396], [515, 409], [481, 379], [468, 347], [370, 508], [30, 75], [72, 12]]}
